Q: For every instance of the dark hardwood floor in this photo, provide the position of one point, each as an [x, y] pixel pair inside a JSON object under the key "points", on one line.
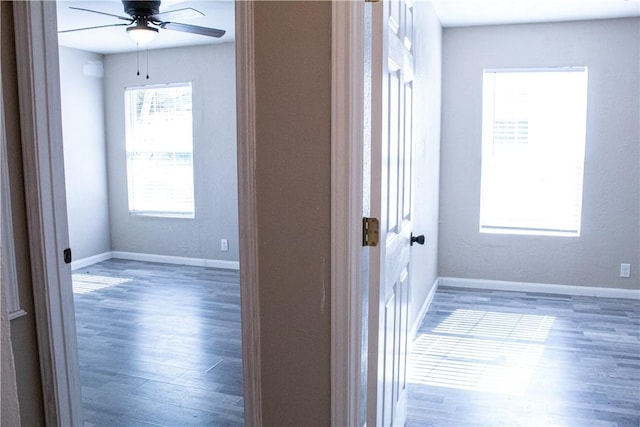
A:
{"points": [[159, 344], [496, 358]]}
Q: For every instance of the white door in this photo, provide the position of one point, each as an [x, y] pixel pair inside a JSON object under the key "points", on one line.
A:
{"points": [[392, 101]]}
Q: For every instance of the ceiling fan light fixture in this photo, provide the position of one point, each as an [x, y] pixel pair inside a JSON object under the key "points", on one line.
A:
{"points": [[141, 33]]}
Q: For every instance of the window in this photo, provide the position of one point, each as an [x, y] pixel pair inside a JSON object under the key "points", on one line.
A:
{"points": [[159, 147], [533, 139], [8, 272]]}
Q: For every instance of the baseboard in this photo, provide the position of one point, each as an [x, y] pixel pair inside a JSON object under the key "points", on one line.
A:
{"points": [[167, 259], [423, 310], [134, 256], [81, 263], [545, 288]]}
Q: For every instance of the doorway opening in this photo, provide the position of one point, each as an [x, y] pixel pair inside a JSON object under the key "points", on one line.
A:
{"points": [[157, 296]]}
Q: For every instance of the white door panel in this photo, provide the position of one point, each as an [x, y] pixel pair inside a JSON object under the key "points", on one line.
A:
{"points": [[391, 186]]}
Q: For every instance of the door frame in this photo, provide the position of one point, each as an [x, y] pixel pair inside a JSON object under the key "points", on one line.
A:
{"points": [[41, 132], [248, 213], [347, 144], [41, 124]]}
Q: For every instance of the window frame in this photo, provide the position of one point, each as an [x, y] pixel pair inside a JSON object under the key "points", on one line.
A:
{"points": [[128, 128], [496, 228], [8, 271]]}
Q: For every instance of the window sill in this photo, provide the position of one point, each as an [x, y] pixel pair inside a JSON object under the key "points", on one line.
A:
{"points": [[163, 215], [528, 232], [17, 314]]}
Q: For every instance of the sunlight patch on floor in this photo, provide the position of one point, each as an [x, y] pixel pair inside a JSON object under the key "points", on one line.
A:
{"points": [[492, 324], [481, 351], [84, 283]]}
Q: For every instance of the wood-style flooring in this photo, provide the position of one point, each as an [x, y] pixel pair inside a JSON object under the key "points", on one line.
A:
{"points": [[497, 358], [159, 344]]}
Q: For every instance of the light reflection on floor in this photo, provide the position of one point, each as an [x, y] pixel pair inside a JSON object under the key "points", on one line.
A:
{"points": [[84, 283], [481, 351]]}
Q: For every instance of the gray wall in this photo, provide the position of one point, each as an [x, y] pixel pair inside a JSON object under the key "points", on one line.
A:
{"points": [[293, 175], [610, 226], [426, 160], [85, 161], [211, 70]]}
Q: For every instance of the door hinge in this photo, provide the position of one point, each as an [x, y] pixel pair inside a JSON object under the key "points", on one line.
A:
{"points": [[370, 228], [67, 256]]}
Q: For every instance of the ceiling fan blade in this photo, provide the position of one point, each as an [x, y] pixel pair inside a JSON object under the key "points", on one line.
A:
{"points": [[193, 29], [124, 18], [91, 28], [176, 15]]}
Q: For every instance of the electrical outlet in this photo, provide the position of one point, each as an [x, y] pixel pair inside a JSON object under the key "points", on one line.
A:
{"points": [[625, 270], [224, 245]]}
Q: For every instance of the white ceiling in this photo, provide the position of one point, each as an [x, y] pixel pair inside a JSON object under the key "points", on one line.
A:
{"points": [[220, 14], [458, 13]]}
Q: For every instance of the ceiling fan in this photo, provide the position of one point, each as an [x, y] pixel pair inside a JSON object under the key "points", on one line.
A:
{"points": [[145, 19]]}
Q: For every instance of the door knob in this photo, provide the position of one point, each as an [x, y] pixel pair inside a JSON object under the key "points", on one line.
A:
{"points": [[417, 239]]}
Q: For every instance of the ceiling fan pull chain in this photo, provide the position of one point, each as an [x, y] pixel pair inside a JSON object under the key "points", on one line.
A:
{"points": [[147, 62], [138, 59]]}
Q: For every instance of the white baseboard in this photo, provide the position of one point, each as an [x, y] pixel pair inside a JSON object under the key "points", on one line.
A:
{"points": [[540, 288], [81, 263], [423, 310], [167, 259], [134, 256]]}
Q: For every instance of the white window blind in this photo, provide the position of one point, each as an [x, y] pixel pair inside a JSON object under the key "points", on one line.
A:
{"points": [[159, 145], [533, 139]]}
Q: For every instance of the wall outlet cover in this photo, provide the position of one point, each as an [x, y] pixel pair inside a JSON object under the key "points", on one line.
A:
{"points": [[625, 270]]}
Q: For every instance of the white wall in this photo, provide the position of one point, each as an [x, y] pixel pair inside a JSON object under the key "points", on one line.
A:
{"points": [[426, 159], [610, 217], [211, 70], [81, 83]]}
